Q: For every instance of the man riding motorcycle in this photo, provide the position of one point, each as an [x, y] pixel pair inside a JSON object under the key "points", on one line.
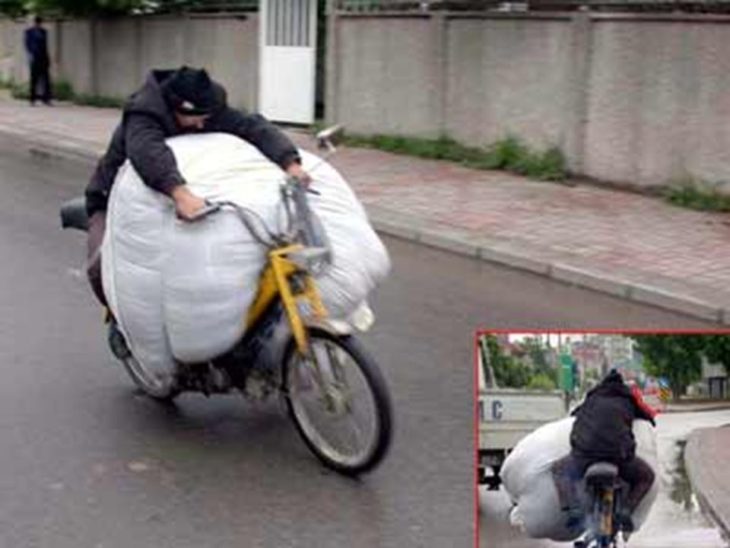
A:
{"points": [[602, 432], [173, 102]]}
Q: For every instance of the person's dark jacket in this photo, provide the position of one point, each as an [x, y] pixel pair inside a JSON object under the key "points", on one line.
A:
{"points": [[148, 119], [602, 428], [36, 44]]}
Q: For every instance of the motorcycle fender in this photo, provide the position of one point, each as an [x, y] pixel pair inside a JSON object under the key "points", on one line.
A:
{"points": [[331, 326], [283, 334]]}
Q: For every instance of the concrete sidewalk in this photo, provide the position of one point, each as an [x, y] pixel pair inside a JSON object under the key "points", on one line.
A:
{"points": [[706, 458], [628, 245], [697, 406]]}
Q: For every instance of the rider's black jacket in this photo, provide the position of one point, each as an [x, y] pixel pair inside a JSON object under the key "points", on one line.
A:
{"points": [[148, 119], [602, 428]]}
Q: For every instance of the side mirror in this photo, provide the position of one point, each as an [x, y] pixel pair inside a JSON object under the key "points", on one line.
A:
{"points": [[327, 137]]}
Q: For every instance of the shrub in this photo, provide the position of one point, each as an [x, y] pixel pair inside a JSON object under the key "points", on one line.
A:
{"points": [[509, 154], [695, 193]]}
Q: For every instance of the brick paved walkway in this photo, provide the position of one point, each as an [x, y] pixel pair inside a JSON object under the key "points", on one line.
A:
{"points": [[608, 234]]}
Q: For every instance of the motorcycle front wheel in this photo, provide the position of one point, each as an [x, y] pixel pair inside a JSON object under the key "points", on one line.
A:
{"points": [[339, 402]]}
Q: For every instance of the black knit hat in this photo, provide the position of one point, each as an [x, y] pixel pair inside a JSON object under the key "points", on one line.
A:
{"points": [[614, 376], [191, 92]]}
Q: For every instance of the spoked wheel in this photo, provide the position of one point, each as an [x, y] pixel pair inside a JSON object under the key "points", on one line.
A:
{"points": [[339, 402], [154, 385]]}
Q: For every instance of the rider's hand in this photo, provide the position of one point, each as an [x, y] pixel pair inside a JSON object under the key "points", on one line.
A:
{"points": [[186, 203], [295, 169]]}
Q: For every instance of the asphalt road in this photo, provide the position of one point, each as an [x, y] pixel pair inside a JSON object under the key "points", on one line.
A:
{"points": [[87, 462]]}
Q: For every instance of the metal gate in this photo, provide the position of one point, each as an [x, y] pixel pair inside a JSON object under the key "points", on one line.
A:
{"points": [[287, 74]]}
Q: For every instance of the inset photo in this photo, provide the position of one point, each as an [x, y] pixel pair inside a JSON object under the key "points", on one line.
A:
{"points": [[603, 439]]}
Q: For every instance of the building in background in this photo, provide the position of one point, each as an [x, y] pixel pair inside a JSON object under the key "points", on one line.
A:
{"points": [[714, 382]]}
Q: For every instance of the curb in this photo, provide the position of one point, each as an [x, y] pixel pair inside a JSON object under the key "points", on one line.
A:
{"points": [[718, 407], [67, 154], [570, 275], [388, 223], [691, 457]]}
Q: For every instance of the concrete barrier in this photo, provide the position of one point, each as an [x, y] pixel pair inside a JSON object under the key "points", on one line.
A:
{"points": [[630, 98], [110, 57]]}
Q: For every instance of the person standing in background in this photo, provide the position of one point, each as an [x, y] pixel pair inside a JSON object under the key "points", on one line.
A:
{"points": [[36, 45]]}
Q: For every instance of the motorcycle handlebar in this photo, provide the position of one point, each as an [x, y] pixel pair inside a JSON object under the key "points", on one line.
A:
{"points": [[204, 212], [308, 226]]}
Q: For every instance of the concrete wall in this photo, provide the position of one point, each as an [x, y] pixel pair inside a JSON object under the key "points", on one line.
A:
{"points": [[500, 75], [110, 57], [117, 56], [7, 49], [629, 98], [230, 48], [659, 101], [389, 81], [76, 55], [12, 52]]}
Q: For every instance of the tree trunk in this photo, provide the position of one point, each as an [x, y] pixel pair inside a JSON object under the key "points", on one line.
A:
{"points": [[678, 389]]}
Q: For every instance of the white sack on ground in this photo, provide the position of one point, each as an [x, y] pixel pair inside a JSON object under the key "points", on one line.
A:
{"points": [[527, 478], [181, 290]]}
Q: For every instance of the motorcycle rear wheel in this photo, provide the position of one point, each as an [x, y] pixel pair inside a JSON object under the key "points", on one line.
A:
{"points": [[323, 384], [162, 389]]}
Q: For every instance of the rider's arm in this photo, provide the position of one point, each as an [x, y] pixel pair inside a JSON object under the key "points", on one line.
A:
{"points": [[156, 164], [150, 156], [97, 192], [261, 133], [642, 409]]}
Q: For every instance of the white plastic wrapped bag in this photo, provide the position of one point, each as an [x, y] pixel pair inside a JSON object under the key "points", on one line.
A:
{"points": [[132, 260], [528, 479], [182, 290]]}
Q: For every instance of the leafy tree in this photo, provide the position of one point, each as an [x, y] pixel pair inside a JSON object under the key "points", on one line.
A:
{"points": [[717, 350], [77, 8], [536, 351], [13, 8], [102, 8], [85, 7], [675, 357], [590, 378], [508, 372], [541, 381], [514, 373]]}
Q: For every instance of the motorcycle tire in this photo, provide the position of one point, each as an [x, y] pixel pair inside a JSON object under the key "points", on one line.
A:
{"points": [[161, 392], [376, 385]]}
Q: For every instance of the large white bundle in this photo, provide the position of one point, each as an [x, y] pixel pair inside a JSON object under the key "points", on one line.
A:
{"points": [[181, 290], [132, 261], [527, 478]]}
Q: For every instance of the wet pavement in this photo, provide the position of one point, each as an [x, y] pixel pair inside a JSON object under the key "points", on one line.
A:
{"points": [[675, 521]]}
